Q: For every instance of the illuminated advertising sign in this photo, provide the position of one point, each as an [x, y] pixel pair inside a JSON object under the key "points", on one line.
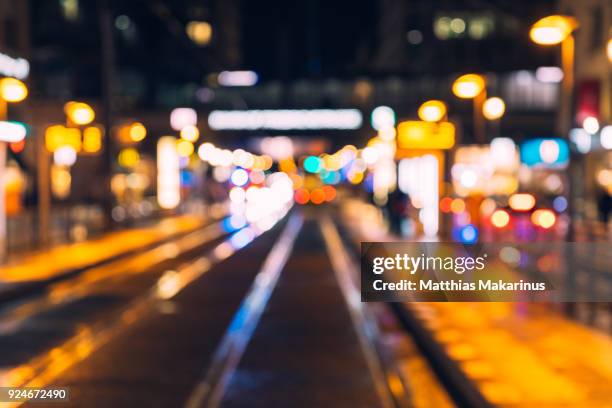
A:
{"points": [[58, 136], [415, 134], [550, 152], [285, 119], [168, 173]]}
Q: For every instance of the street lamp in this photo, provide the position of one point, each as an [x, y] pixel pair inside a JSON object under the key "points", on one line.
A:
{"points": [[79, 113], [11, 90], [137, 132], [473, 86], [432, 111], [493, 108], [468, 86], [554, 30]]}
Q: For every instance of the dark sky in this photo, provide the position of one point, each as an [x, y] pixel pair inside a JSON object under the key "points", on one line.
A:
{"points": [[308, 38], [279, 39]]}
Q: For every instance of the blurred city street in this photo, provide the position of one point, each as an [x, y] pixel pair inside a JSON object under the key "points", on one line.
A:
{"points": [[205, 203]]}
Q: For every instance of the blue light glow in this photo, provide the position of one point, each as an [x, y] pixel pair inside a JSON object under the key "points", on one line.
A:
{"points": [[312, 164], [468, 234], [187, 179], [331, 177], [234, 222], [550, 152], [560, 204]]}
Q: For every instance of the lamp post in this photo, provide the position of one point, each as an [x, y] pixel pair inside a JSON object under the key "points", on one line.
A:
{"points": [[493, 109], [553, 30], [79, 113], [473, 86], [432, 111], [11, 90]]}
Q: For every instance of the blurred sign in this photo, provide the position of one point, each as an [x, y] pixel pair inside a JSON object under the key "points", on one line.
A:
{"points": [[587, 102], [92, 139], [478, 169], [12, 132], [505, 154], [285, 119], [14, 67], [181, 117], [545, 153], [415, 134], [237, 78], [278, 147], [419, 178], [57, 136], [168, 173]]}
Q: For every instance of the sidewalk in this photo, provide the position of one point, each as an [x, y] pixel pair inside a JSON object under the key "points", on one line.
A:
{"points": [[49, 263], [517, 354], [524, 355]]}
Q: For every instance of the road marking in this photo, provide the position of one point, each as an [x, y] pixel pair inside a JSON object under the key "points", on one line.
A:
{"points": [[78, 287], [45, 368], [209, 391], [389, 385]]}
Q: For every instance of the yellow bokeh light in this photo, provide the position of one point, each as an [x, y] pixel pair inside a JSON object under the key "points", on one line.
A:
{"points": [[432, 111], [184, 148], [500, 218], [543, 218], [92, 139], [137, 132], [356, 177], [200, 32], [468, 86], [259, 163], [57, 136], [128, 157], [415, 134], [190, 133], [609, 49], [267, 162], [493, 108], [79, 113], [60, 181], [457, 206], [287, 165], [13, 90], [552, 29]]}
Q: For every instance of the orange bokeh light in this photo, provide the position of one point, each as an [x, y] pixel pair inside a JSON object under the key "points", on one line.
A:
{"points": [[543, 218], [522, 202], [445, 204], [302, 196], [317, 196], [330, 193], [457, 206]]}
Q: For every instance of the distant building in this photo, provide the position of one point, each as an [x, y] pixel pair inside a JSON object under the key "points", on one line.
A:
{"points": [[593, 68], [593, 98]]}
